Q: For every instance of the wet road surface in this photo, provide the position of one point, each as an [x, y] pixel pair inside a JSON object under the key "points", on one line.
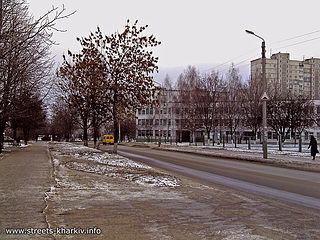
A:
{"points": [[294, 186]]}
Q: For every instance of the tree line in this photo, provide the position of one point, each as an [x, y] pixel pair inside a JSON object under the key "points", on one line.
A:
{"points": [[25, 66], [213, 102]]}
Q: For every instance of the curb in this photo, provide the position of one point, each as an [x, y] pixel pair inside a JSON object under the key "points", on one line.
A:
{"points": [[310, 167]]}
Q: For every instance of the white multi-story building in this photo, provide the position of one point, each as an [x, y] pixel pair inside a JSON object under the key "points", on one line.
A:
{"points": [[300, 77], [165, 121]]}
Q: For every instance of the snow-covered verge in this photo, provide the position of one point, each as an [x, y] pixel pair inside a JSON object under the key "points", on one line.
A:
{"points": [[289, 157], [94, 161]]}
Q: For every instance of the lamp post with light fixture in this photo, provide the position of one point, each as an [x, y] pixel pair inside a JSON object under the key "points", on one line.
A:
{"points": [[264, 97]]}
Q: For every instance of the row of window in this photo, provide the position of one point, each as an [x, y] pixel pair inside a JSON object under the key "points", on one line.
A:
{"points": [[149, 122], [150, 111], [155, 133]]}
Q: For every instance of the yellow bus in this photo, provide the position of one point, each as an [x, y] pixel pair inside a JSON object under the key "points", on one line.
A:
{"points": [[107, 139]]}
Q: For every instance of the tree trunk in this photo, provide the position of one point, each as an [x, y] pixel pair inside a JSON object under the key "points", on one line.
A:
{"points": [[280, 142], [26, 135], [95, 135], [1, 137], [85, 136], [14, 128], [95, 131], [116, 135], [194, 138]]}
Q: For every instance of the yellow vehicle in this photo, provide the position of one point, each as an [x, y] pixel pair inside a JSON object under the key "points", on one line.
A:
{"points": [[107, 139]]}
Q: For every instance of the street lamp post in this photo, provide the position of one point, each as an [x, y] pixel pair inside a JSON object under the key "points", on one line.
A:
{"points": [[264, 97]]}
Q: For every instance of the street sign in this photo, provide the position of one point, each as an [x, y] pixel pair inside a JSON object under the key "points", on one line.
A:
{"points": [[264, 97]]}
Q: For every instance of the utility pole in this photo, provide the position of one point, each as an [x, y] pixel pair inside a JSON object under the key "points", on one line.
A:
{"points": [[264, 101], [264, 97]]}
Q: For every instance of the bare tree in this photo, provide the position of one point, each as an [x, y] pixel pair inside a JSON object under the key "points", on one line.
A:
{"points": [[303, 115], [63, 120], [210, 89], [128, 128], [252, 107], [233, 101], [287, 112], [169, 95], [24, 54], [188, 97]]}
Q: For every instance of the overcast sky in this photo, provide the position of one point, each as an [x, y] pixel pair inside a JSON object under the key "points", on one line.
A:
{"points": [[197, 32]]}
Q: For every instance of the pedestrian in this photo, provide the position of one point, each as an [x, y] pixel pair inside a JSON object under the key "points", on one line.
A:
{"points": [[314, 147]]}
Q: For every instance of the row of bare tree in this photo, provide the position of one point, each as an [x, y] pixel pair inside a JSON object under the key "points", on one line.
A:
{"points": [[25, 66], [212, 102]]}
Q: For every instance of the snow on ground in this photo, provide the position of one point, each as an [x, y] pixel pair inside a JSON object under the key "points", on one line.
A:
{"points": [[289, 157], [111, 160], [95, 161], [67, 148], [287, 149]]}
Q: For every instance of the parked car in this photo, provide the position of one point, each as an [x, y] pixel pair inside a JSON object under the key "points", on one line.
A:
{"points": [[107, 139]]}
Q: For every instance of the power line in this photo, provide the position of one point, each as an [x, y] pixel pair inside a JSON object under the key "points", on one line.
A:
{"points": [[294, 44], [288, 39], [273, 43]]}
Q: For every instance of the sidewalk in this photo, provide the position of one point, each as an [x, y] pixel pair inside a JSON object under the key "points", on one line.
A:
{"points": [[290, 159], [25, 175]]}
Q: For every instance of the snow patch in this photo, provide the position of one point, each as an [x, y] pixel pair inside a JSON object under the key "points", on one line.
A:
{"points": [[140, 177], [112, 160], [112, 165]]}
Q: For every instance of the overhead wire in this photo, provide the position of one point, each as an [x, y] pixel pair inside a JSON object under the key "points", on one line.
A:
{"points": [[271, 44]]}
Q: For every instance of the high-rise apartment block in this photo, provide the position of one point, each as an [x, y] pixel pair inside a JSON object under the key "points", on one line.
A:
{"points": [[299, 77]]}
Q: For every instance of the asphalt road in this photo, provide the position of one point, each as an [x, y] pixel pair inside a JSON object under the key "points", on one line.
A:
{"points": [[294, 186]]}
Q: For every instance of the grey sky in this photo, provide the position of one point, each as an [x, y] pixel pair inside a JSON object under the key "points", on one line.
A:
{"points": [[197, 32]]}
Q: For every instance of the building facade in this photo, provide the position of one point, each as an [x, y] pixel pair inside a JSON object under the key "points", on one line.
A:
{"points": [[299, 77]]}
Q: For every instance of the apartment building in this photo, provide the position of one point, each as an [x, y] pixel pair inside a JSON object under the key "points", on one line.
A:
{"points": [[300, 77]]}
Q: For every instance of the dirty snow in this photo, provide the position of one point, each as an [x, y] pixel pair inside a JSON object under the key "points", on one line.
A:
{"points": [[95, 161], [68, 148], [111, 160]]}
